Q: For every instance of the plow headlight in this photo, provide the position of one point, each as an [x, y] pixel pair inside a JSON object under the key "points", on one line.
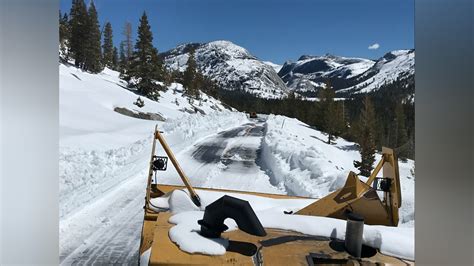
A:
{"points": [[382, 184], [160, 163]]}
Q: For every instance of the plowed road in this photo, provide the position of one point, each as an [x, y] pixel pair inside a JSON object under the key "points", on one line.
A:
{"points": [[108, 230]]}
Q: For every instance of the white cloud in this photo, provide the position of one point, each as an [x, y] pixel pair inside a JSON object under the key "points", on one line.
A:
{"points": [[374, 46]]}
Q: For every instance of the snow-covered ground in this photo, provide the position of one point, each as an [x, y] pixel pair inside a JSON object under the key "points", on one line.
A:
{"points": [[394, 241], [300, 161], [104, 157]]}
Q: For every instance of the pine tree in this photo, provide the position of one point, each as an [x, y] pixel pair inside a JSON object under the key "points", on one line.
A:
{"points": [[126, 52], [345, 119], [127, 43], [365, 134], [199, 83], [122, 57], [329, 111], [145, 65], [176, 75], [78, 27], [189, 75], [64, 34], [340, 125], [108, 46], [93, 53], [115, 59], [402, 143], [401, 133], [64, 29], [167, 78], [60, 22]]}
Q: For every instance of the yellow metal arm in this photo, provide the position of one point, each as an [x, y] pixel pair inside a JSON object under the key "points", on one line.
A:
{"points": [[376, 171], [184, 178]]}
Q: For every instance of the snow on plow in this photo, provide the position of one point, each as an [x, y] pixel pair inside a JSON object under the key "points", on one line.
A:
{"points": [[352, 225]]}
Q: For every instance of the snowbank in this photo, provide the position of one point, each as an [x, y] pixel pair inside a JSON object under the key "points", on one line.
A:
{"points": [[87, 174], [190, 127], [100, 148], [394, 241], [299, 160]]}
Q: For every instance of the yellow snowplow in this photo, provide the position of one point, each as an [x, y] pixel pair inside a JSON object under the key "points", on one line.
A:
{"points": [[355, 204]]}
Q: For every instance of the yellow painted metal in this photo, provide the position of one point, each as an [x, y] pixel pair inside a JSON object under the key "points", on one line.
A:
{"points": [[155, 236], [376, 170], [361, 198], [150, 170], [393, 197], [176, 165]]}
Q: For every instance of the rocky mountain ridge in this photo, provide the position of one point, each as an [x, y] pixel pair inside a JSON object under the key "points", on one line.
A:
{"points": [[234, 68]]}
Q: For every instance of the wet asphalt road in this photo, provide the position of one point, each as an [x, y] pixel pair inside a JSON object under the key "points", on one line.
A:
{"points": [[237, 148]]}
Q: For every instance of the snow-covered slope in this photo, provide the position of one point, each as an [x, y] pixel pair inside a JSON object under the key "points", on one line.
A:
{"points": [[394, 65], [309, 72], [87, 103], [232, 66], [347, 75], [276, 67], [101, 148]]}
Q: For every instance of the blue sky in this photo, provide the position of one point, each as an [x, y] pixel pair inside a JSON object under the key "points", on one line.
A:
{"points": [[274, 30]]}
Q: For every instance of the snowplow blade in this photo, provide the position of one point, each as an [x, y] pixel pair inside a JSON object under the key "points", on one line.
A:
{"points": [[278, 247], [362, 198]]}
